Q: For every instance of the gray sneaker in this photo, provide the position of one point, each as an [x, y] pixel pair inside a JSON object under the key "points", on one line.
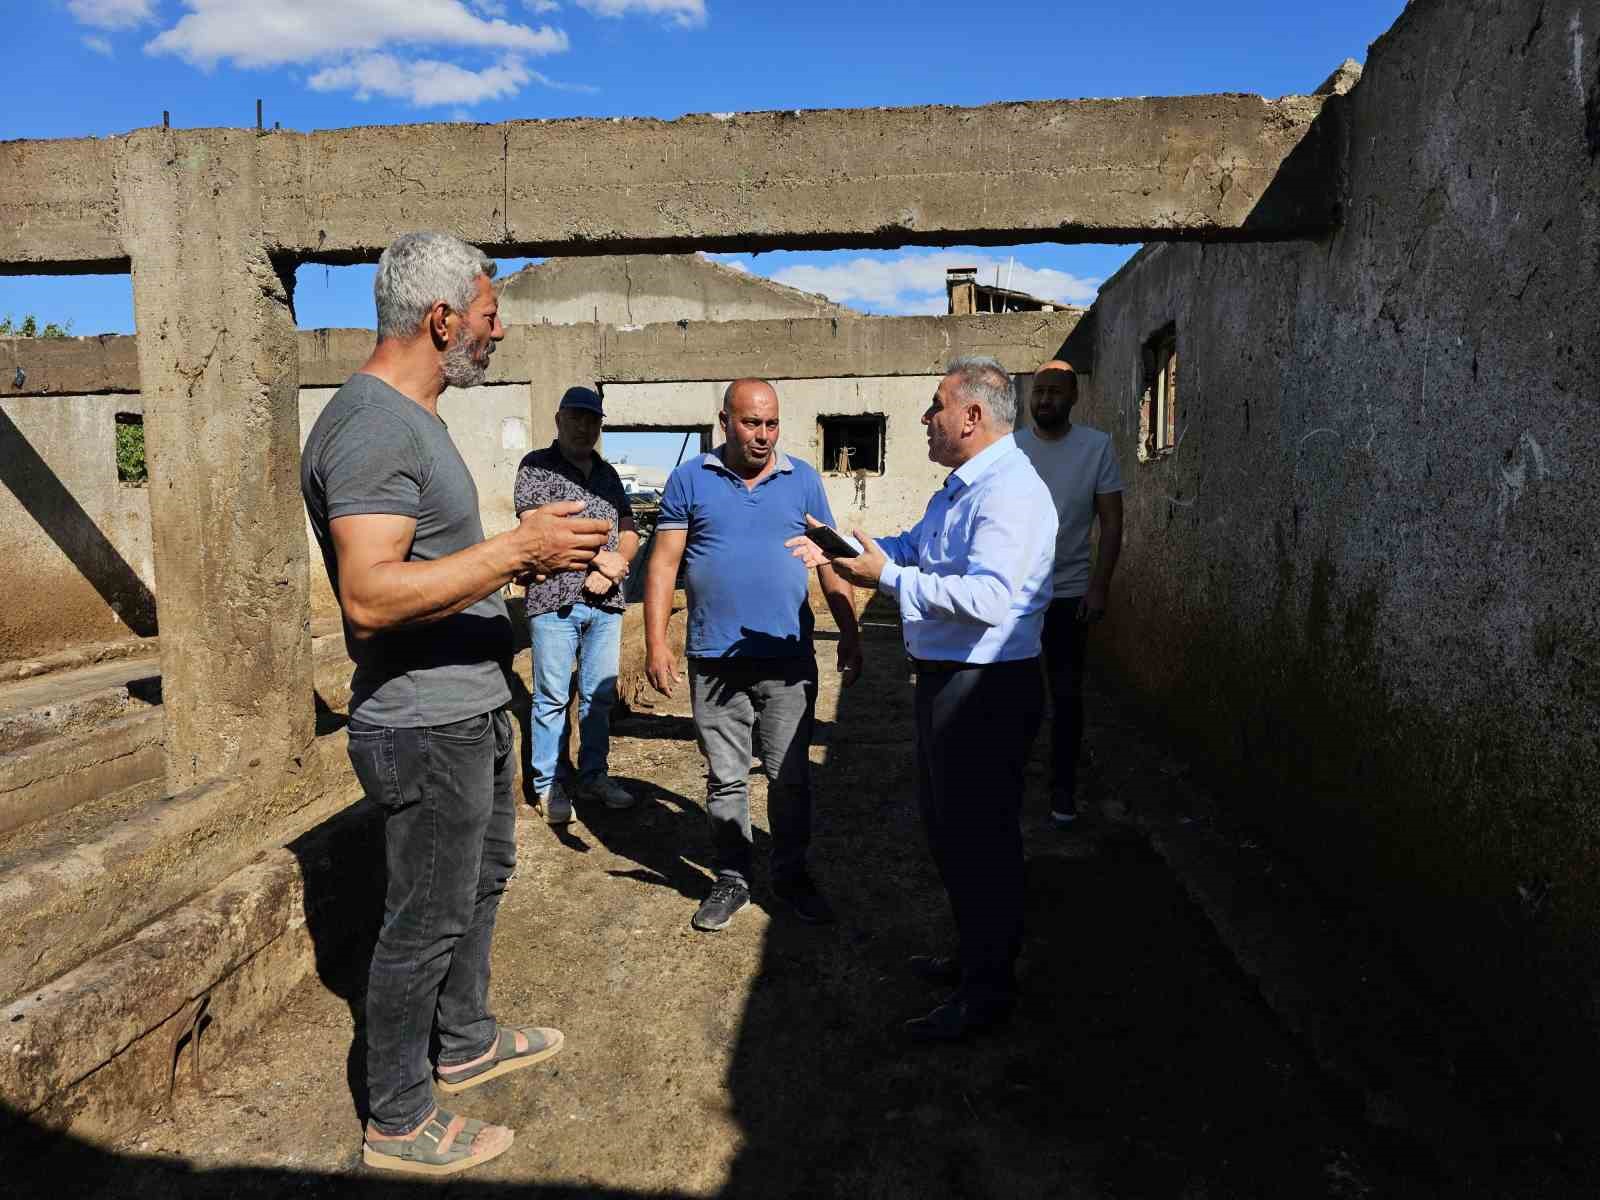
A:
{"points": [[727, 897], [556, 804], [607, 790]]}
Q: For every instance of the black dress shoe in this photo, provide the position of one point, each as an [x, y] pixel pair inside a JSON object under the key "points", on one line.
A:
{"points": [[943, 969], [956, 1019], [803, 898]]}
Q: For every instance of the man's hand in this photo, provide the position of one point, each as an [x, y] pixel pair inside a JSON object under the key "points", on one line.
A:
{"points": [[866, 568], [807, 551], [850, 661], [554, 538], [598, 583], [610, 564], [1093, 605], [661, 669]]}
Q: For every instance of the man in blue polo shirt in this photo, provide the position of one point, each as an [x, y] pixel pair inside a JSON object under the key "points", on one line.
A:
{"points": [[725, 517]]}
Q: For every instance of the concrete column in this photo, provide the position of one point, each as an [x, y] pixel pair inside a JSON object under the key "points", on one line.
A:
{"points": [[220, 373]]}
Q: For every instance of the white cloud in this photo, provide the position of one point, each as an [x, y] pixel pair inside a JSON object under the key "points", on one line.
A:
{"points": [[542, 6], [98, 44], [422, 82], [685, 13], [251, 33], [111, 14], [913, 283]]}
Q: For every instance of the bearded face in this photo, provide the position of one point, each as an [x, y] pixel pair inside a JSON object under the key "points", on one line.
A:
{"points": [[466, 359]]}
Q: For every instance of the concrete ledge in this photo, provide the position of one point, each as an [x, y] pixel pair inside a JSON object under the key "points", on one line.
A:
{"points": [[62, 904], [93, 1051], [78, 656], [33, 710], [56, 774]]}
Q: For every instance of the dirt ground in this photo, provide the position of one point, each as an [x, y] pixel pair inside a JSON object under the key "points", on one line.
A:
{"points": [[765, 1060]]}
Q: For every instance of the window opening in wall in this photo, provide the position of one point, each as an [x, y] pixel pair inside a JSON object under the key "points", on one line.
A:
{"points": [[61, 306], [130, 449], [340, 297], [645, 455], [852, 445], [1158, 406]]}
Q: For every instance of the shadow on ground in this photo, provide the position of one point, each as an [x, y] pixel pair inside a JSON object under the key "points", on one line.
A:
{"points": [[1141, 1063]]}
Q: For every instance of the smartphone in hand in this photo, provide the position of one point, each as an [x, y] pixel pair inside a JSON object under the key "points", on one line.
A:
{"points": [[834, 544]]}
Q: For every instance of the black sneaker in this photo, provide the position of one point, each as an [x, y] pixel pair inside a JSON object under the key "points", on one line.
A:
{"points": [[727, 897], [800, 894]]}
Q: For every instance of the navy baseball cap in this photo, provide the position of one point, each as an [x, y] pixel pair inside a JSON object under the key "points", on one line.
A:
{"points": [[581, 397]]}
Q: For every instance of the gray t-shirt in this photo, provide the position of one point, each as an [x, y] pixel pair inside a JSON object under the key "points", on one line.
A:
{"points": [[1076, 469], [374, 450]]}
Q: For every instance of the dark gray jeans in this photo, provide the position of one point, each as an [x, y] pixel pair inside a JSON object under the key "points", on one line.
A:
{"points": [[732, 697], [450, 827]]}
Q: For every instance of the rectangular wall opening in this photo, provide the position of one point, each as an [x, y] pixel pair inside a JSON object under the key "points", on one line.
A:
{"points": [[131, 467], [1158, 402], [58, 306], [852, 445]]}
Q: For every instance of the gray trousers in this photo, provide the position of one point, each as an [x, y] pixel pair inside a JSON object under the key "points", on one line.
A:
{"points": [[732, 697]]}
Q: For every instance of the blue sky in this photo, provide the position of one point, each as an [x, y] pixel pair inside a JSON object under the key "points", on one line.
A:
{"points": [[96, 67]]}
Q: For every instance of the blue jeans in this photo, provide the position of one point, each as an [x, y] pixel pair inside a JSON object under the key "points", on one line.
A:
{"points": [[592, 636], [450, 837]]}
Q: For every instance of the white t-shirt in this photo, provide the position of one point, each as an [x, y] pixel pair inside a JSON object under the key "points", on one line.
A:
{"points": [[1076, 469]]}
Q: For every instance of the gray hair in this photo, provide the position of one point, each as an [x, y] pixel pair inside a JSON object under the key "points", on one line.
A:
{"points": [[417, 271], [983, 379]]}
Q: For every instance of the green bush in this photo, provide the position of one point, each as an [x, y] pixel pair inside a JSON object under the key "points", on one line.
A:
{"points": [[130, 452]]}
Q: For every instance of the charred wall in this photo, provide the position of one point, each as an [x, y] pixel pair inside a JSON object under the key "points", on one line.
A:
{"points": [[1363, 581]]}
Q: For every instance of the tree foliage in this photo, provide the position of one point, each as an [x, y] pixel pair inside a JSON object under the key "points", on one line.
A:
{"points": [[130, 452], [29, 327]]}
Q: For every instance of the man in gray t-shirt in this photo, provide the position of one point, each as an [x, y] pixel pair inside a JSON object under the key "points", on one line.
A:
{"points": [[395, 513], [1079, 466], [376, 451]]}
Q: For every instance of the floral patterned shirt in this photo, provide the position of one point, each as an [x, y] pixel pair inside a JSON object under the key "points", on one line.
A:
{"points": [[546, 477]]}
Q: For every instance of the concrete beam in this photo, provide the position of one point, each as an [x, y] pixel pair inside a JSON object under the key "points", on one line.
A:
{"points": [[1229, 167], [220, 373], [809, 348], [59, 206], [77, 366], [792, 348]]}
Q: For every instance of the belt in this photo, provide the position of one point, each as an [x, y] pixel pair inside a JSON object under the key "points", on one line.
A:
{"points": [[940, 666]]}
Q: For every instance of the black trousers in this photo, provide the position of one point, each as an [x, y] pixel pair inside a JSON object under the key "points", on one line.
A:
{"points": [[974, 730], [1066, 642]]}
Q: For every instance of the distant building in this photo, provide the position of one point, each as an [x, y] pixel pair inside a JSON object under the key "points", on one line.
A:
{"points": [[966, 295]]}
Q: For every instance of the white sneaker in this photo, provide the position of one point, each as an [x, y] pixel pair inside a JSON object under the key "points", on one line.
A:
{"points": [[556, 804], [608, 791]]}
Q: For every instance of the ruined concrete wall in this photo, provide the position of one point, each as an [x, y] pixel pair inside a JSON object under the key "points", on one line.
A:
{"points": [[641, 289], [75, 542], [893, 500], [1364, 581]]}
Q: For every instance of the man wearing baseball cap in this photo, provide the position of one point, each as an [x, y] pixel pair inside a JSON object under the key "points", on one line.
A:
{"points": [[576, 616]]}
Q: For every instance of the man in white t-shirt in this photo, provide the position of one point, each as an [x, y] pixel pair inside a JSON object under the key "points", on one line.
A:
{"points": [[1079, 466]]}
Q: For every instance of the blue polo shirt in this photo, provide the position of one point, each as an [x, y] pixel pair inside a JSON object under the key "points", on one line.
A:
{"points": [[747, 593]]}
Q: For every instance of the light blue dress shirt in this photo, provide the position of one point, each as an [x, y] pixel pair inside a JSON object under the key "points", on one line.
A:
{"points": [[973, 576]]}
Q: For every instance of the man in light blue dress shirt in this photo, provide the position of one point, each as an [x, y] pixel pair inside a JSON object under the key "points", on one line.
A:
{"points": [[973, 581]]}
